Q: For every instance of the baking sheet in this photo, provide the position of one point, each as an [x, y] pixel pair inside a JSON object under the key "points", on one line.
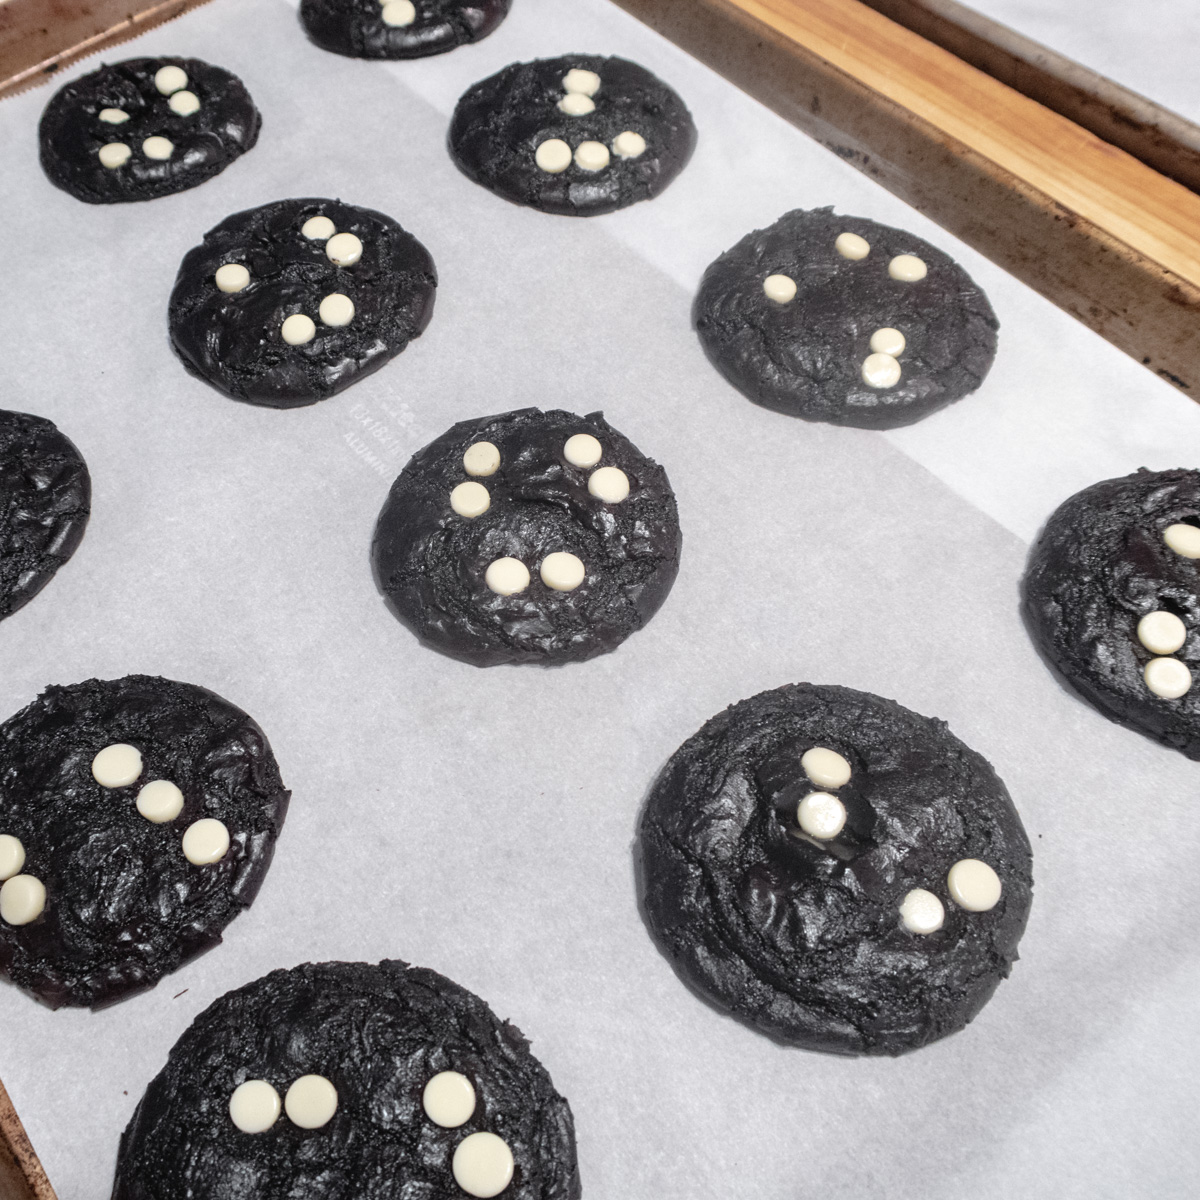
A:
{"points": [[480, 821]]}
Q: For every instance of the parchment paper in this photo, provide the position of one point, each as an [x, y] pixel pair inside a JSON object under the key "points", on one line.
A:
{"points": [[480, 821]]}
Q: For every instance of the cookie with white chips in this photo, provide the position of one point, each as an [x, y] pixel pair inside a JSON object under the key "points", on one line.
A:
{"points": [[528, 537], [138, 817], [144, 128], [841, 319], [835, 871], [45, 500], [349, 1080], [577, 135], [1111, 598], [289, 303], [399, 28]]}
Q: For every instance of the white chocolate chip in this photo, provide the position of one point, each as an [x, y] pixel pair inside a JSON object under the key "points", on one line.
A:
{"points": [[170, 79], [576, 104], [888, 341], [113, 116], [254, 1106], [232, 277], [1161, 632], [585, 83], [821, 815], [117, 765], [160, 801], [449, 1099], [591, 156], [562, 571], [609, 484], [12, 856], [298, 329], [184, 104], [399, 13], [507, 576], [114, 155], [206, 841], [343, 249], [482, 1165], [311, 1102], [583, 450], [1183, 539], [22, 900], [850, 245], [880, 371], [470, 499], [481, 458], [907, 268], [629, 144], [318, 229], [336, 310], [973, 885], [780, 288], [825, 767], [158, 148], [553, 156], [922, 912], [1167, 677]]}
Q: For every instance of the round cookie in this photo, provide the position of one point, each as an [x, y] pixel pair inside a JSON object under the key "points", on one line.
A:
{"points": [[577, 135], [288, 304], [835, 871], [528, 537], [839, 319], [146, 811], [144, 128], [45, 499], [1111, 598], [379, 1112], [399, 28]]}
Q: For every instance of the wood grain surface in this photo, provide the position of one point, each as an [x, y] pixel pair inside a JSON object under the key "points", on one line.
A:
{"points": [[21, 1175], [1102, 235]]}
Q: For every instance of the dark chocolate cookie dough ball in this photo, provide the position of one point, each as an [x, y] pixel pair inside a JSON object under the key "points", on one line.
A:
{"points": [[348, 1080], [528, 537], [290, 303], [145, 128], [1111, 597], [399, 28], [45, 499], [843, 320], [577, 135], [835, 871], [138, 817]]}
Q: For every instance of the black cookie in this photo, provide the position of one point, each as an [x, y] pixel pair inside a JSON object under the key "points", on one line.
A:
{"points": [[800, 315], [578, 135], [528, 537], [1111, 598], [875, 917], [369, 1039], [288, 304], [145, 128], [45, 499], [399, 28], [124, 897]]}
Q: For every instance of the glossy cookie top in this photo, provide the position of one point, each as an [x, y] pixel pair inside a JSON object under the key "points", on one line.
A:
{"points": [[144, 128], [527, 537], [577, 135], [45, 500], [138, 817], [348, 1080], [834, 870], [399, 28], [841, 319], [1111, 597]]}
